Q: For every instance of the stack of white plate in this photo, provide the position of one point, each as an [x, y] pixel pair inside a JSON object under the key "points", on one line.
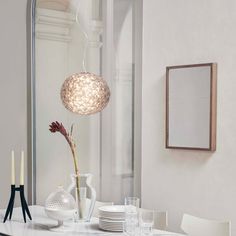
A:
{"points": [[111, 218]]}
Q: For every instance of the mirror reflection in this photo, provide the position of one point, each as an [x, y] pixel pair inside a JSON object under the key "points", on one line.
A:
{"points": [[72, 37]]}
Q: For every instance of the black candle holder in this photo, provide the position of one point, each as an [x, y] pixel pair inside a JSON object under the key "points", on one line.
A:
{"points": [[24, 205]]}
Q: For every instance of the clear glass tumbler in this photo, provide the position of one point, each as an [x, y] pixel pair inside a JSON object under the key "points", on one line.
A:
{"points": [[146, 221], [131, 215]]}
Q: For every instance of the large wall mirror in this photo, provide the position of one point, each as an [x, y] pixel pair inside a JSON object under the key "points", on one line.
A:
{"points": [[191, 106], [68, 34]]}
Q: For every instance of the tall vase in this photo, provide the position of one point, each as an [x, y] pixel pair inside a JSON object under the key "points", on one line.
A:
{"points": [[85, 205]]}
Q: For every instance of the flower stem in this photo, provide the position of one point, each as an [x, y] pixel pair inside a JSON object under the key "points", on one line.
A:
{"points": [[77, 177]]}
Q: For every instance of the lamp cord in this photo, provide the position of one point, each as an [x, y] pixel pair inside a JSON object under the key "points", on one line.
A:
{"points": [[86, 39]]}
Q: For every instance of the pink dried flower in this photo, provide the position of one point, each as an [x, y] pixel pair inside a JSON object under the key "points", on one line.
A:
{"points": [[58, 127]]}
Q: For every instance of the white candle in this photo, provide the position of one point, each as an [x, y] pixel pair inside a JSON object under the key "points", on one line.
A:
{"points": [[22, 169], [13, 181]]}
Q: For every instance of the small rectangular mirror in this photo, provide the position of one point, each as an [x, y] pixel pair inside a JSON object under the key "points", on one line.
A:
{"points": [[191, 107]]}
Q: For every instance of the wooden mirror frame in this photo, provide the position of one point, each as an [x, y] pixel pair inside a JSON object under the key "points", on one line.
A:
{"points": [[213, 97]]}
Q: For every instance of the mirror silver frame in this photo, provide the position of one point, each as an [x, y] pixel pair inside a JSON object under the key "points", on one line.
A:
{"points": [[30, 24]]}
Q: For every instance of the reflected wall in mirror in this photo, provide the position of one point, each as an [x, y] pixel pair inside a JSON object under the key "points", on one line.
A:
{"points": [[191, 107]]}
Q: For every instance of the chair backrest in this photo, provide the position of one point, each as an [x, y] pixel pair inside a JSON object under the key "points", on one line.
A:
{"points": [[195, 226], [160, 219]]}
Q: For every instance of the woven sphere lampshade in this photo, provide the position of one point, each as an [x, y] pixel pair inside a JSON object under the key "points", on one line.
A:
{"points": [[85, 93]]}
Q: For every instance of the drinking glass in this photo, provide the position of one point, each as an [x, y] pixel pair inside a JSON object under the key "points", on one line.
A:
{"points": [[146, 220], [131, 215]]}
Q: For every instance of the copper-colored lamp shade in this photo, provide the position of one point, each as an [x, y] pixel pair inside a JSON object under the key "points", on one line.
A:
{"points": [[85, 93]]}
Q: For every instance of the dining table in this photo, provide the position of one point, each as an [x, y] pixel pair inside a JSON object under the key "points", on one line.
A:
{"points": [[40, 226]]}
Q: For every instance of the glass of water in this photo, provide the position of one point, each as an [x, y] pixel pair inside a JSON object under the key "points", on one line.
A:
{"points": [[131, 215], [146, 221]]}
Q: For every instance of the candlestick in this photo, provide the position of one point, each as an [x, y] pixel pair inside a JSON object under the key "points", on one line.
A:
{"points": [[13, 180], [22, 169], [14, 189], [24, 205]]}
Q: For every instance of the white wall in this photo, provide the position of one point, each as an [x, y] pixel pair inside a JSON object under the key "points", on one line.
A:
{"points": [[196, 182], [13, 121]]}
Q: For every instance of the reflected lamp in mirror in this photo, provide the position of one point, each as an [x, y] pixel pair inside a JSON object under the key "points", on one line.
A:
{"points": [[85, 93], [191, 106]]}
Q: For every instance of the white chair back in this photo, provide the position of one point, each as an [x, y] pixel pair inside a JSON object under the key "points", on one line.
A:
{"points": [[195, 226], [160, 219]]}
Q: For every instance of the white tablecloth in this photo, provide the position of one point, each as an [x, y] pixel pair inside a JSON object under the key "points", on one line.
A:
{"points": [[40, 225]]}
